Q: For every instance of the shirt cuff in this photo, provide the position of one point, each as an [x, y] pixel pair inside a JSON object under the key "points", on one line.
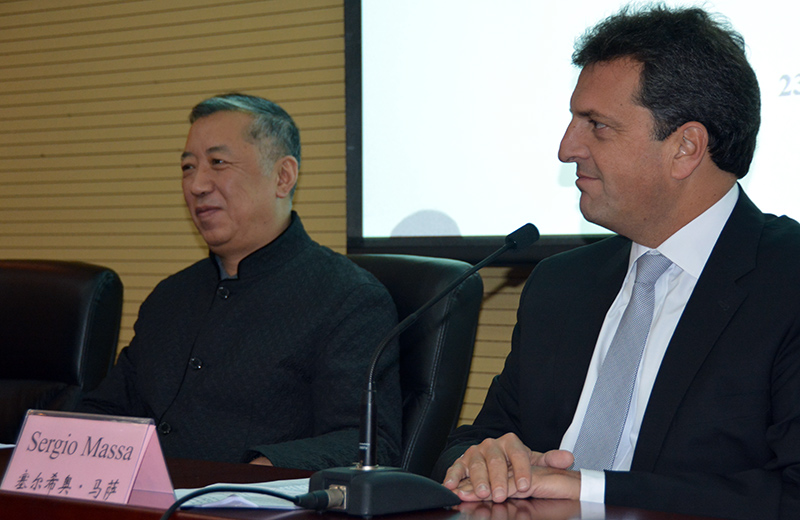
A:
{"points": [[593, 486]]}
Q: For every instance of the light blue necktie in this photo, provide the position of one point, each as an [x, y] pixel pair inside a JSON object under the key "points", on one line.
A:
{"points": [[605, 418]]}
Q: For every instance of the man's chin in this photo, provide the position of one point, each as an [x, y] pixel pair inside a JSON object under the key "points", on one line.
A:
{"points": [[586, 209], [214, 241], [592, 216]]}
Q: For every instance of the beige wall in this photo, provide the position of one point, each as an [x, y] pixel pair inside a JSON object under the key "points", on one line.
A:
{"points": [[94, 96]]}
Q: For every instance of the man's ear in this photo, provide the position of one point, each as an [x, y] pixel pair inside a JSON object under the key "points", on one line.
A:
{"points": [[691, 140], [286, 170]]}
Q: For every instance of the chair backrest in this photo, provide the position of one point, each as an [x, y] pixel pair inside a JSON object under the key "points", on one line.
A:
{"points": [[59, 327], [435, 352]]}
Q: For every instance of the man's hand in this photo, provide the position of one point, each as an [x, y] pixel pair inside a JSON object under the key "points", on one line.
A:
{"points": [[497, 469]]}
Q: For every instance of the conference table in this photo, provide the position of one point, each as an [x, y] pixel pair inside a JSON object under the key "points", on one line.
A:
{"points": [[197, 473]]}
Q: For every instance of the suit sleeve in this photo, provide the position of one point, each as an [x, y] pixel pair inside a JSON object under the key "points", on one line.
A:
{"points": [[498, 416], [117, 393]]}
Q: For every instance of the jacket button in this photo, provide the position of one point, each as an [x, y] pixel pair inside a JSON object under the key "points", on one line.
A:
{"points": [[223, 292], [164, 428], [196, 363]]}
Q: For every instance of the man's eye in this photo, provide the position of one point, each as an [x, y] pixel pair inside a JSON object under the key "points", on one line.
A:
{"points": [[217, 161], [186, 167], [597, 124]]}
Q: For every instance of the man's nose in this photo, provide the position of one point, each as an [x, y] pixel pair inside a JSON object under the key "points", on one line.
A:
{"points": [[201, 182], [570, 148]]}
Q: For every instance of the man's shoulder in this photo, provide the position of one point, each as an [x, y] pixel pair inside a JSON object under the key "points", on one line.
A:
{"points": [[330, 266], [779, 245], [781, 232], [321, 265], [321, 277], [572, 273], [594, 254]]}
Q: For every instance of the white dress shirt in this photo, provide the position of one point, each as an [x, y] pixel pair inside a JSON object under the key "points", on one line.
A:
{"points": [[688, 249]]}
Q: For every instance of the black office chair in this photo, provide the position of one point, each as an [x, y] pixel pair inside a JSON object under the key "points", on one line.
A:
{"points": [[435, 352], [59, 327]]}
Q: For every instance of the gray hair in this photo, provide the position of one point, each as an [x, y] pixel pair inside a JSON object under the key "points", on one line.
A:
{"points": [[273, 129]]}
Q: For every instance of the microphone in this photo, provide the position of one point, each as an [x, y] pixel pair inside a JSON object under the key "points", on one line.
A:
{"points": [[368, 489]]}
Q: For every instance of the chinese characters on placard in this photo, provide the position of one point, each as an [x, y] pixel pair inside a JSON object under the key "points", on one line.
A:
{"points": [[59, 486]]}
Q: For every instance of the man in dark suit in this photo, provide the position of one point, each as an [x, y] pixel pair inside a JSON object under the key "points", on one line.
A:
{"points": [[256, 353], [664, 121]]}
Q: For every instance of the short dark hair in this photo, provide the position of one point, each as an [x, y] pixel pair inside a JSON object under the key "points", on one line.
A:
{"points": [[273, 128], [694, 69]]}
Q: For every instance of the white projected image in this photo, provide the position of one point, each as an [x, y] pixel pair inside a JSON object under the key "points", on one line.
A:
{"points": [[465, 103]]}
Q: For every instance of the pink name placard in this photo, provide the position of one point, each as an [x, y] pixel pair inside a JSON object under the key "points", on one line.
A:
{"points": [[90, 457]]}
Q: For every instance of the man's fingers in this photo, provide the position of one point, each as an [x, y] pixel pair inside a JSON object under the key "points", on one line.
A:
{"points": [[553, 483], [455, 474], [519, 461], [478, 468], [466, 492], [560, 459], [520, 468], [498, 467]]}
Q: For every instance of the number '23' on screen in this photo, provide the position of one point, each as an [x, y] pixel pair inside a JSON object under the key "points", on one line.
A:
{"points": [[791, 85]]}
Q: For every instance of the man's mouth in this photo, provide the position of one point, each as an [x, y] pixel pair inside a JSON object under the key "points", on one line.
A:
{"points": [[583, 179], [205, 211]]}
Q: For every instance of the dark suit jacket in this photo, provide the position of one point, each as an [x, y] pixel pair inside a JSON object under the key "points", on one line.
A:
{"points": [[271, 363], [721, 432]]}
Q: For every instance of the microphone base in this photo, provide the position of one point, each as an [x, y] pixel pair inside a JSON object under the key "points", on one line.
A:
{"points": [[381, 491]]}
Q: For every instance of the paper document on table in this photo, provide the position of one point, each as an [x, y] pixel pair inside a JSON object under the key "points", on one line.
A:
{"points": [[249, 500]]}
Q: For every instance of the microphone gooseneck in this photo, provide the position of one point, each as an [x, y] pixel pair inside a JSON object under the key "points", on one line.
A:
{"points": [[518, 240], [367, 489]]}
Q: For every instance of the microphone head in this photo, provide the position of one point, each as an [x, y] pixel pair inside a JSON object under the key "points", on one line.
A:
{"points": [[523, 237]]}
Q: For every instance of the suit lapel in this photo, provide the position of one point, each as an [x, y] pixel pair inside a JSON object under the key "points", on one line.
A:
{"points": [[713, 302]]}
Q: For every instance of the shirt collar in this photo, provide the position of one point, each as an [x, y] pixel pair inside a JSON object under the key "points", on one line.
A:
{"points": [[690, 247], [223, 274], [281, 250]]}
